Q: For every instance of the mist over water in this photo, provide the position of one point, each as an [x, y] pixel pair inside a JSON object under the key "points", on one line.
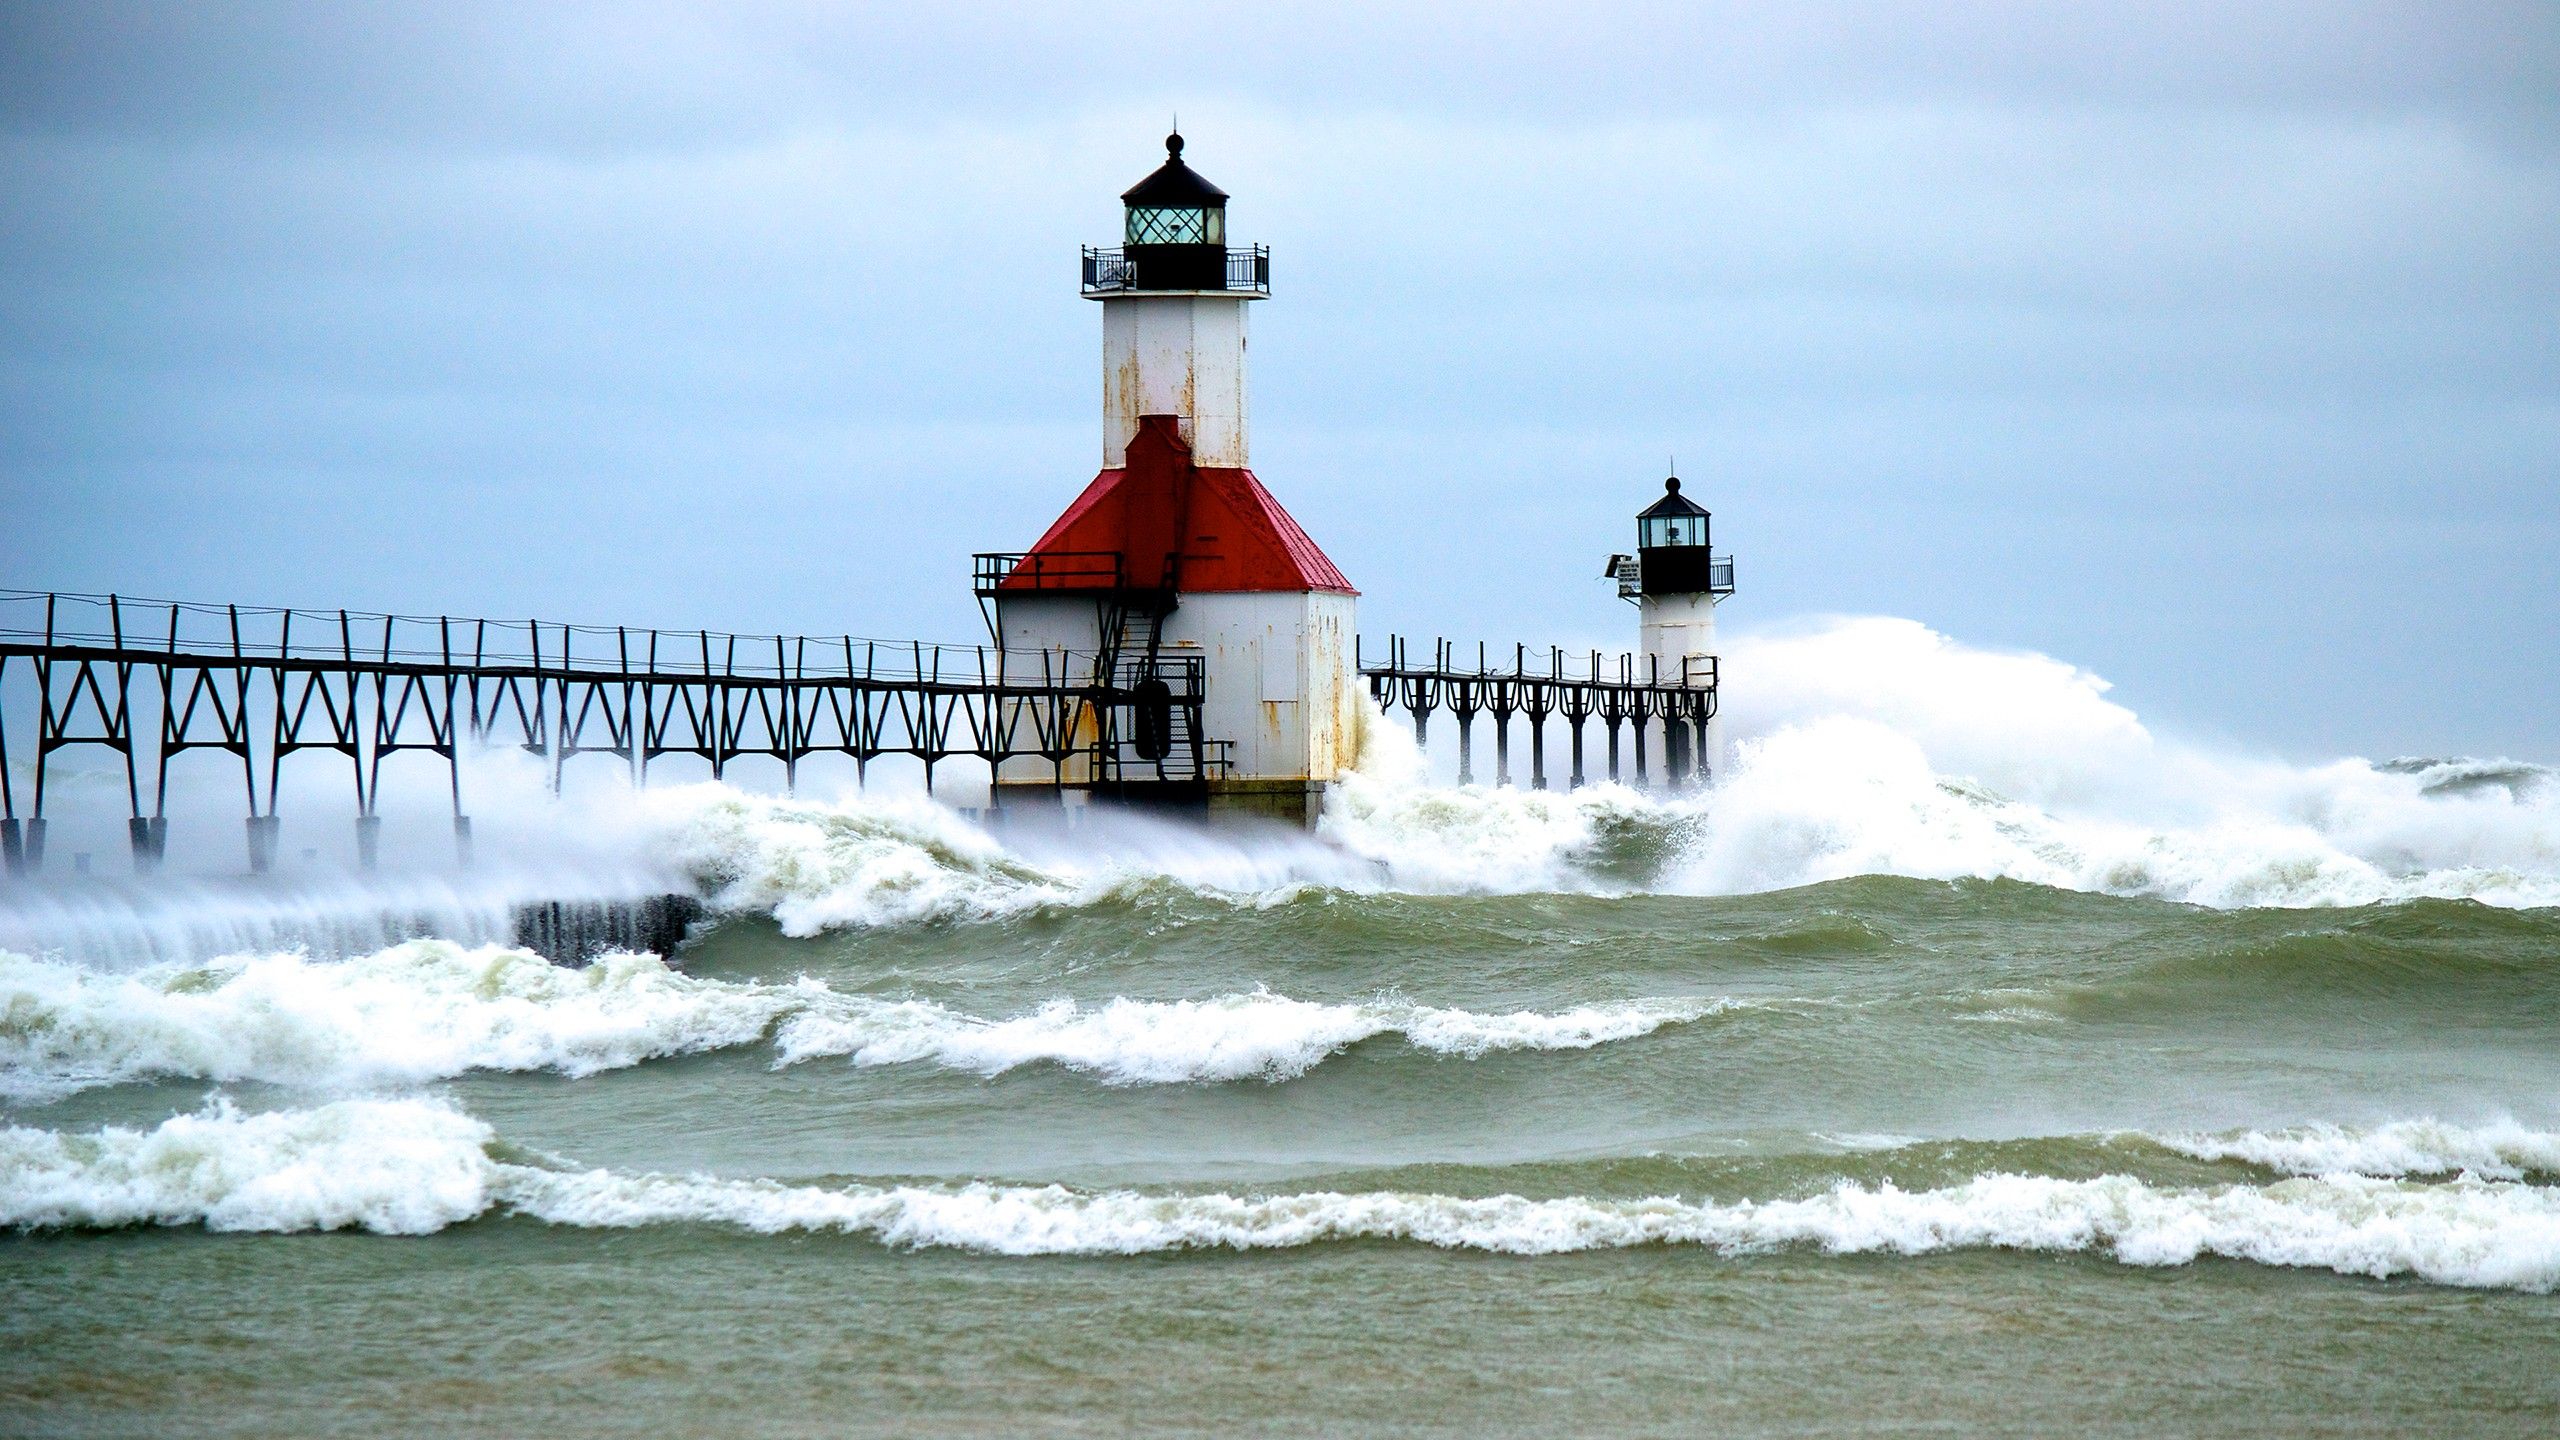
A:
{"points": [[1957, 974], [1865, 746]]}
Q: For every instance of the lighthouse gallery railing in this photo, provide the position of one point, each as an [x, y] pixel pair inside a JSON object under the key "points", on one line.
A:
{"points": [[1629, 691], [1111, 272]]}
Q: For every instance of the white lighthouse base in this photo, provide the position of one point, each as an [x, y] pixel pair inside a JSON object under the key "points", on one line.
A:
{"points": [[1279, 689], [1679, 636]]}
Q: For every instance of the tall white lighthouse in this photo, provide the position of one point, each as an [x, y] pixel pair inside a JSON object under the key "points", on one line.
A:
{"points": [[1175, 568], [1676, 580]]}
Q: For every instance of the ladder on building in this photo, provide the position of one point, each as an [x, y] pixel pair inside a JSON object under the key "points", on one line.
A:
{"points": [[1156, 737]]}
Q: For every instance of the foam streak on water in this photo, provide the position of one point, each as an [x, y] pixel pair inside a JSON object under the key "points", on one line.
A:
{"points": [[428, 1010], [416, 1166]]}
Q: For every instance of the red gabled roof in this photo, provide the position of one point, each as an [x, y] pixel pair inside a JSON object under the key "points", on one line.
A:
{"points": [[1228, 531]]}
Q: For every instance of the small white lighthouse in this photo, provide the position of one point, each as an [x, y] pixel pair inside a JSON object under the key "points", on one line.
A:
{"points": [[1676, 579], [1175, 566]]}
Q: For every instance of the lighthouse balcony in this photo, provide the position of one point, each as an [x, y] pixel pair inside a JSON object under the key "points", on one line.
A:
{"points": [[1212, 269], [1680, 575], [1051, 570]]}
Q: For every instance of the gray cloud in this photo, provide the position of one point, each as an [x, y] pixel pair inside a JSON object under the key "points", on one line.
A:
{"points": [[2207, 345]]}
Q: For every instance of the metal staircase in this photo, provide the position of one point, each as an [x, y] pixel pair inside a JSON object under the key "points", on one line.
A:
{"points": [[1148, 731], [1154, 735]]}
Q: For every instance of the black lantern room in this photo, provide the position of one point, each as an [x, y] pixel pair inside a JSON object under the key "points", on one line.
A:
{"points": [[1175, 206], [1176, 238], [1672, 546]]}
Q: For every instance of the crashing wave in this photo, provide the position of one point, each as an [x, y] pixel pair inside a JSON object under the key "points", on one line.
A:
{"points": [[428, 1010], [408, 1167], [1232, 1037], [2503, 1150], [1865, 746]]}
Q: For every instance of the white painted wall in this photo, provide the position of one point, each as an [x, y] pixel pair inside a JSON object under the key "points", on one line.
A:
{"points": [[1675, 628], [1177, 353], [1069, 628], [1280, 681]]}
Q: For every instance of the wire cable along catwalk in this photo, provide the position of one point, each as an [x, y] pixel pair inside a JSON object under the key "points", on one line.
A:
{"points": [[152, 680]]}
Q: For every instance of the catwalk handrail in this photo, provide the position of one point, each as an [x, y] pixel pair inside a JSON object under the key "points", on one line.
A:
{"points": [[134, 630], [155, 680], [1623, 670], [1641, 693]]}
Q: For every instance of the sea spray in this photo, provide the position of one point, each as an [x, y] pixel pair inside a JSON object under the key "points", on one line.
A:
{"points": [[1871, 745], [1868, 747], [125, 925], [1865, 746]]}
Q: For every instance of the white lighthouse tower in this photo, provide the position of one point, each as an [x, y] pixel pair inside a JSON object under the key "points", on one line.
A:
{"points": [[1175, 567], [1676, 580]]}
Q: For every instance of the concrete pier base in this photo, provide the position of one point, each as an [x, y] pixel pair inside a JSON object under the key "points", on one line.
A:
{"points": [[264, 832], [26, 846], [573, 932], [149, 837], [1291, 802]]}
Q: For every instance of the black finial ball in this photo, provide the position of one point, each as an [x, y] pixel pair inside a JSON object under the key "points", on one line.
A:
{"points": [[1672, 485], [1173, 146]]}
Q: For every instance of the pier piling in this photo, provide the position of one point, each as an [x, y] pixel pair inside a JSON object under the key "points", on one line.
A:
{"points": [[261, 685], [1616, 689]]}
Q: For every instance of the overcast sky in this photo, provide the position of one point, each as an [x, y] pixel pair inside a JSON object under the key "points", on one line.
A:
{"points": [[2213, 347]]}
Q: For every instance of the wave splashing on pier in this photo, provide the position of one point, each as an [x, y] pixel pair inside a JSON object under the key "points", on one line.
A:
{"points": [[1961, 998]]}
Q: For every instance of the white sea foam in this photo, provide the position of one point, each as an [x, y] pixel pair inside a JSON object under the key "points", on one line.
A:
{"points": [[870, 860], [2464, 1232], [427, 1009], [396, 1167], [1876, 746], [417, 1011], [415, 1166], [1472, 838], [2503, 1150], [1232, 1037], [1864, 746]]}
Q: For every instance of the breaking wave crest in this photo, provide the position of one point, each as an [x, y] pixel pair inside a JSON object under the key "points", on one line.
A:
{"points": [[415, 1166], [428, 1009], [2501, 1151], [1864, 747], [1233, 1037]]}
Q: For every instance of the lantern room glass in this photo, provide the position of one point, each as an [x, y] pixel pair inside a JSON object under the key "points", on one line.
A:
{"points": [[1150, 225], [1655, 532]]}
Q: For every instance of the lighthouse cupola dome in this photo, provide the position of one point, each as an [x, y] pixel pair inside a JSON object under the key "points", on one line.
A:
{"points": [[1673, 520], [1175, 240], [1672, 554], [1176, 205]]}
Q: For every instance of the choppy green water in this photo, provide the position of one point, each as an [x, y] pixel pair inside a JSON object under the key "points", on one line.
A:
{"points": [[2057, 1162]]}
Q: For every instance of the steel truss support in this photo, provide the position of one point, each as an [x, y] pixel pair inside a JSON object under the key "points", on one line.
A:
{"points": [[262, 685], [1626, 693]]}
